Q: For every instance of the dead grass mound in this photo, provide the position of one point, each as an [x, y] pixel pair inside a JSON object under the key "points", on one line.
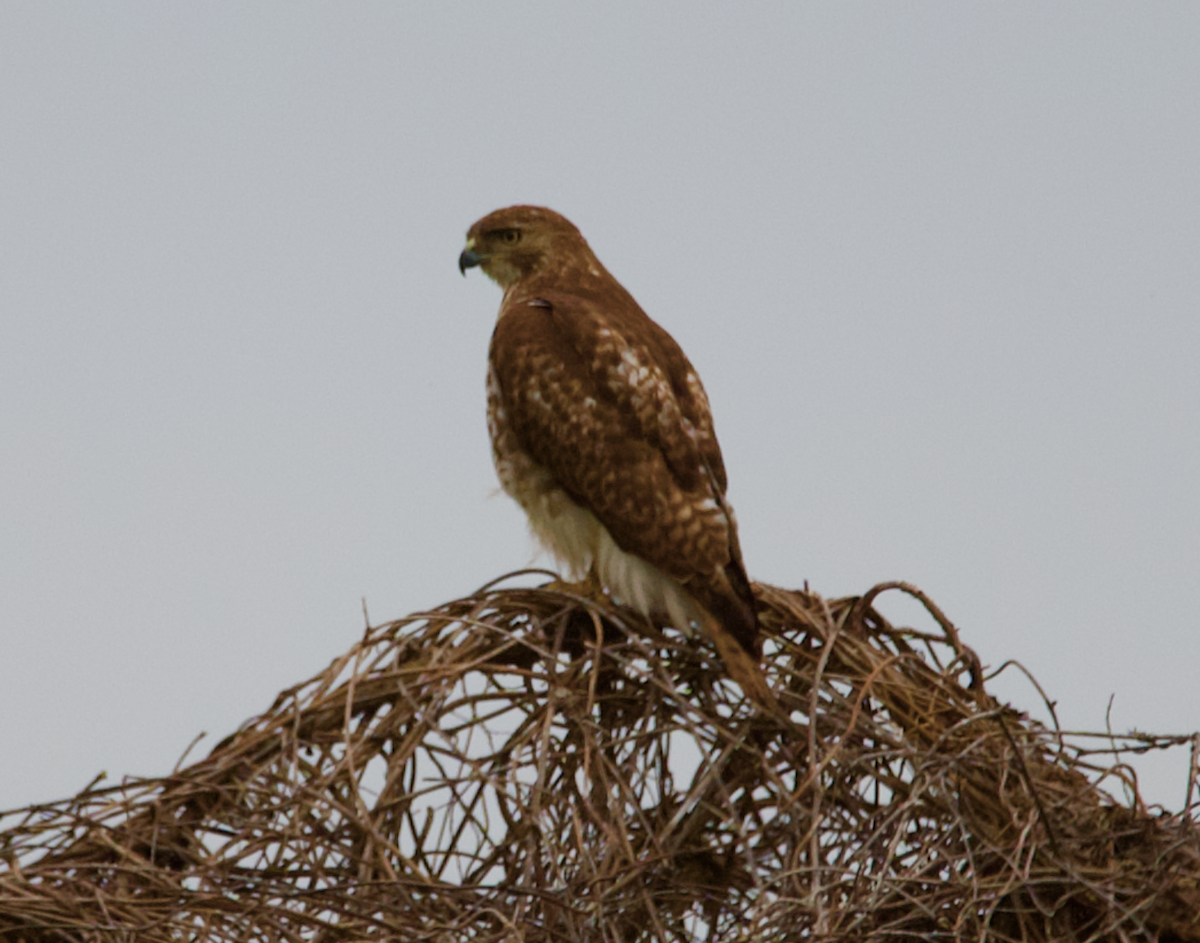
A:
{"points": [[527, 765]]}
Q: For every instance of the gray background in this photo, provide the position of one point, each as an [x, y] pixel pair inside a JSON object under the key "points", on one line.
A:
{"points": [[937, 264]]}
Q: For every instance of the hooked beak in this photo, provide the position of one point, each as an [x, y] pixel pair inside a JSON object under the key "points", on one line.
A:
{"points": [[469, 259]]}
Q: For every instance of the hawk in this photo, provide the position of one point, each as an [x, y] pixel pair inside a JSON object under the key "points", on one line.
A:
{"points": [[601, 432]]}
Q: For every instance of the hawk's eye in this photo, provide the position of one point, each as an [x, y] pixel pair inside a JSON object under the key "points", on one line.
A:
{"points": [[510, 236]]}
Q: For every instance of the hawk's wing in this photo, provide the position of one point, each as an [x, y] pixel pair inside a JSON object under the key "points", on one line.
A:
{"points": [[604, 399]]}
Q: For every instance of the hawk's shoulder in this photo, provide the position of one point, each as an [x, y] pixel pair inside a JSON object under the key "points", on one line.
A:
{"points": [[607, 348]]}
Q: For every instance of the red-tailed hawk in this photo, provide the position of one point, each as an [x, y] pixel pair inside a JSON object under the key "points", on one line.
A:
{"points": [[601, 431]]}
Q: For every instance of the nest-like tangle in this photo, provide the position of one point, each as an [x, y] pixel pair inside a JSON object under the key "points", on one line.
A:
{"points": [[529, 765]]}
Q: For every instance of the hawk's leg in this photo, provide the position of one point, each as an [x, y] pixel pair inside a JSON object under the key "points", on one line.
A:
{"points": [[589, 587]]}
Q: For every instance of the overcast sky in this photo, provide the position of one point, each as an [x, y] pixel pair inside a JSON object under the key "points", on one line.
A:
{"points": [[938, 265]]}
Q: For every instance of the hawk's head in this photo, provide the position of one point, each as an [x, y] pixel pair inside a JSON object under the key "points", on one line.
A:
{"points": [[517, 241]]}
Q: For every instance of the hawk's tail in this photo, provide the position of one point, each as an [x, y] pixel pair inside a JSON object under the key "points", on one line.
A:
{"points": [[731, 601], [732, 624], [743, 667]]}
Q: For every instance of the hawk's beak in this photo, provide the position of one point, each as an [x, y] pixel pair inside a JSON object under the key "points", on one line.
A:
{"points": [[469, 259]]}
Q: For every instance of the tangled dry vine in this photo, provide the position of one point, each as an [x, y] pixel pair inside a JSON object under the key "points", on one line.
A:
{"points": [[524, 764]]}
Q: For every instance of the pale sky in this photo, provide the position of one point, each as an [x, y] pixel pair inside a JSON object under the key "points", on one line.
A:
{"points": [[938, 265]]}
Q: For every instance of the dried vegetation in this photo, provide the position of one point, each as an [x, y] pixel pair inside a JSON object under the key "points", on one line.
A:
{"points": [[527, 765]]}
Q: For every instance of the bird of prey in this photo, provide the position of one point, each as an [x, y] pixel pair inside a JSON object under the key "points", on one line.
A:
{"points": [[601, 432]]}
